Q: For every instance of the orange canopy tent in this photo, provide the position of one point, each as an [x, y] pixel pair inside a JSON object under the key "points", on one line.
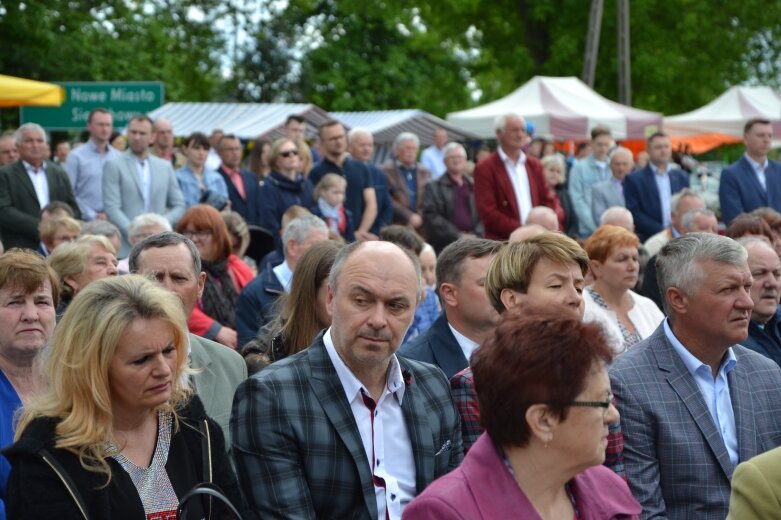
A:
{"points": [[15, 92]]}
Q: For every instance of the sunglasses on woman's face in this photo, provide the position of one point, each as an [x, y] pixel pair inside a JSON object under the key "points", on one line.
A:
{"points": [[288, 153]]}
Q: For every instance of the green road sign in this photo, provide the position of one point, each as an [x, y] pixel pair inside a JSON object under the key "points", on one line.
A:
{"points": [[123, 99]]}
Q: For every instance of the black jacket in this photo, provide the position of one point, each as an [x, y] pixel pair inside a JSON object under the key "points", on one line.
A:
{"points": [[36, 490]]}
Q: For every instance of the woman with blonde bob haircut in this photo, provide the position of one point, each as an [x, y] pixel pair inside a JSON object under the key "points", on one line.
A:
{"points": [[626, 316], [117, 434]]}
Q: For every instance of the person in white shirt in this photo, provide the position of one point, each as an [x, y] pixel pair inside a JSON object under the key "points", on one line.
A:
{"points": [[433, 157]]}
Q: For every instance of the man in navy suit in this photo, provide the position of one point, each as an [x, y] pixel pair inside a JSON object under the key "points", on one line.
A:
{"points": [[467, 317], [243, 187], [648, 192], [753, 181]]}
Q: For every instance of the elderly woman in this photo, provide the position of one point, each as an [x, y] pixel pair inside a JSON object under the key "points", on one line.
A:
{"points": [[57, 231], [79, 263], [553, 167], [144, 225], [304, 312], [226, 275], [117, 435], [284, 187], [626, 316], [29, 293], [546, 404]]}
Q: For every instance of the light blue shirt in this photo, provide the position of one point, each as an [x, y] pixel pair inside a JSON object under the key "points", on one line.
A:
{"points": [[85, 171], [665, 191], [759, 170], [433, 158], [191, 188], [715, 392], [584, 175]]}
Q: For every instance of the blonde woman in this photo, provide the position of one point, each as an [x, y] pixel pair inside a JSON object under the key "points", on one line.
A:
{"points": [[117, 434]]}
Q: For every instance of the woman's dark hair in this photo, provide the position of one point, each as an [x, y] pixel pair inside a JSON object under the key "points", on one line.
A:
{"points": [[538, 357], [746, 224]]}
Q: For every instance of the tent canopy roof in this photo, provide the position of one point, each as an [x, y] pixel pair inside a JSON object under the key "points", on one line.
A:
{"points": [[385, 125], [564, 108]]}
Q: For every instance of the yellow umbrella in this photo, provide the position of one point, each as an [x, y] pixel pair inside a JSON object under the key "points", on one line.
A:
{"points": [[16, 92]]}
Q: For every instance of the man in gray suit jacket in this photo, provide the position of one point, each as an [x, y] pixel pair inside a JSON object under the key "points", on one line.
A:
{"points": [[27, 186], [693, 402], [173, 260], [137, 182], [344, 428], [610, 193]]}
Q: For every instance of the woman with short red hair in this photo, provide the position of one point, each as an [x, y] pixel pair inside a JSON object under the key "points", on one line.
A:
{"points": [[226, 275], [545, 402]]}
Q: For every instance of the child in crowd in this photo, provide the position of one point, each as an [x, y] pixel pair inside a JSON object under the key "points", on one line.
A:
{"points": [[329, 194]]}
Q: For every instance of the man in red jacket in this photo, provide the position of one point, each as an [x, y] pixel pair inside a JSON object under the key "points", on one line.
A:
{"points": [[509, 183]]}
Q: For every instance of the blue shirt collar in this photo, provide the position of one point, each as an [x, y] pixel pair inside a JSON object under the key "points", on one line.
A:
{"points": [[693, 365]]}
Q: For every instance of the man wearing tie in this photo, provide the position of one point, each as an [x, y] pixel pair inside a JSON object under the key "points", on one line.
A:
{"points": [[137, 182], [28, 185], [508, 183]]}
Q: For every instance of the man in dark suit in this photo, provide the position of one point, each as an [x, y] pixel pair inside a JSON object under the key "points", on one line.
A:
{"points": [[753, 181], [648, 191], [345, 429], [467, 318], [243, 187], [693, 402], [28, 185], [406, 179], [509, 183], [449, 210], [174, 261]]}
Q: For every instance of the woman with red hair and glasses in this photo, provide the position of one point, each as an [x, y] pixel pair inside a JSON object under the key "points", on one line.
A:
{"points": [[545, 402], [225, 275]]}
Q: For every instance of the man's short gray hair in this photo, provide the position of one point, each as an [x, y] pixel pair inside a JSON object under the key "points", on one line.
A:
{"points": [[100, 227], [501, 121], [678, 264], [405, 137], [614, 214], [687, 221], [27, 128], [164, 239], [299, 229], [355, 132], [676, 199], [624, 150], [149, 219], [449, 147]]}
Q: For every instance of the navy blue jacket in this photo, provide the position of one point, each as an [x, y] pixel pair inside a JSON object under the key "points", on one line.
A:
{"points": [[642, 199], [248, 208], [437, 346], [278, 193], [358, 179], [741, 192], [766, 341], [256, 305], [384, 204]]}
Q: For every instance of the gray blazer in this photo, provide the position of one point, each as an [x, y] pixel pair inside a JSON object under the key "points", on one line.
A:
{"points": [[221, 369], [604, 195], [123, 199], [676, 462]]}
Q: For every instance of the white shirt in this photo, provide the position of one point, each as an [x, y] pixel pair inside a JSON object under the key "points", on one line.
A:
{"points": [[433, 158], [40, 182], [520, 181], [284, 275], [387, 438], [144, 175], [213, 160], [759, 170], [467, 345]]}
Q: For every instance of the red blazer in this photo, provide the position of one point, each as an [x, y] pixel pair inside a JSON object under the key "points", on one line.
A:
{"points": [[199, 322], [495, 196]]}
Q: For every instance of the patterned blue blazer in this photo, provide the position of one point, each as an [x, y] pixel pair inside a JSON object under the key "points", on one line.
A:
{"points": [[298, 451], [676, 462]]}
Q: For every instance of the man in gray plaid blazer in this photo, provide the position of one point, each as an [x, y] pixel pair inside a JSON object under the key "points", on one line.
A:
{"points": [[693, 402], [345, 429]]}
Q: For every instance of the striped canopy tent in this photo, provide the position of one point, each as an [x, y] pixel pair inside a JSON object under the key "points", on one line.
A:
{"points": [[721, 121], [385, 125], [244, 120], [560, 108]]}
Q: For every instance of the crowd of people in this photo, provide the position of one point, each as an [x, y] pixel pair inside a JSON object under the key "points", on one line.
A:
{"points": [[520, 335]]}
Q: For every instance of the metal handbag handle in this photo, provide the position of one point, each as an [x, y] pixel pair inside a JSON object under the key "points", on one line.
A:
{"points": [[205, 488]]}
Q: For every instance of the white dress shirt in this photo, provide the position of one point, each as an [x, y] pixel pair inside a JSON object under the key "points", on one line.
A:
{"points": [[520, 181], [386, 440], [759, 170], [40, 182], [467, 345], [284, 275]]}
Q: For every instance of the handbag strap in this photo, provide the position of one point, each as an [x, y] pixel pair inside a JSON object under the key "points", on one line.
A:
{"points": [[210, 489]]}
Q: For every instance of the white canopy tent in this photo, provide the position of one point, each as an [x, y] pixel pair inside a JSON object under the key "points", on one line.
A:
{"points": [[562, 108], [728, 113]]}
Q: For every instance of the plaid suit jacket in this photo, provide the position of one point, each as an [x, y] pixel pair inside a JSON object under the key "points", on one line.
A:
{"points": [[676, 462], [297, 446]]}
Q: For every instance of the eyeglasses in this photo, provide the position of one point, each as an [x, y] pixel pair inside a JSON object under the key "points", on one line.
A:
{"points": [[605, 405], [205, 233], [288, 153]]}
